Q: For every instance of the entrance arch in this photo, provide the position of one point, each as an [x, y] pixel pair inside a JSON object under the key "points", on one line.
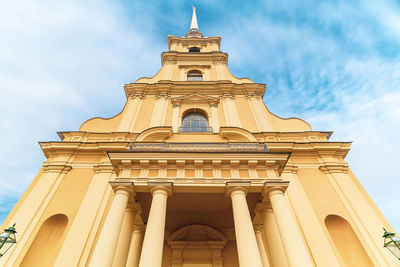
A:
{"points": [[197, 245]]}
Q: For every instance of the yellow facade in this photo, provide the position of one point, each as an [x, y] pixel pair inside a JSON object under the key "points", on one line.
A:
{"points": [[154, 186]]}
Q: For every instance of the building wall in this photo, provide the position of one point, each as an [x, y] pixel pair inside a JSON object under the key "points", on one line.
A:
{"points": [[61, 215]]}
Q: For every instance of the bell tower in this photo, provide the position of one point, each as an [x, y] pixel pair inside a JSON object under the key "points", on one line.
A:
{"points": [[196, 171]]}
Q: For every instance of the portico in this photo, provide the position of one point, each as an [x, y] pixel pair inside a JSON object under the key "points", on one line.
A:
{"points": [[223, 203]]}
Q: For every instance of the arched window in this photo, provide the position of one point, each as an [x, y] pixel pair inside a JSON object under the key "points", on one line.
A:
{"points": [[194, 75], [194, 49], [194, 122]]}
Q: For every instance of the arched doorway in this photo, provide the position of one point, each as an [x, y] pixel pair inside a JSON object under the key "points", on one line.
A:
{"points": [[197, 246]]}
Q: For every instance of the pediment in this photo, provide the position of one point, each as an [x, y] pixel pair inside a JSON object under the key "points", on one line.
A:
{"points": [[195, 98]]}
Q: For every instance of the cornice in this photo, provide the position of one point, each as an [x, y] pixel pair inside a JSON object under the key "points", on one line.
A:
{"points": [[193, 41], [173, 57], [308, 136], [56, 167], [179, 88], [337, 167], [332, 148], [339, 148]]}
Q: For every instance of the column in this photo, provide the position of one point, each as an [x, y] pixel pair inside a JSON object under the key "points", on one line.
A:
{"points": [[292, 240], [131, 112], [259, 112], [153, 243], [230, 110], [79, 232], [214, 116], [106, 244], [159, 110], [135, 246], [121, 253], [260, 243], [175, 117], [248, 253], [272, 236]]}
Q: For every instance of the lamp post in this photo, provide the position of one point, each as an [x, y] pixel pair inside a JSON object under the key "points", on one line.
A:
{"points": [[392, 243], [7, 239]]}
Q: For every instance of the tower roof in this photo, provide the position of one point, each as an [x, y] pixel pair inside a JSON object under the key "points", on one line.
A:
{"points": [[194, 28]]}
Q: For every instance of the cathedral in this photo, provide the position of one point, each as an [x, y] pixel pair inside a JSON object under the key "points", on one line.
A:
{"points": [[195, 171]]}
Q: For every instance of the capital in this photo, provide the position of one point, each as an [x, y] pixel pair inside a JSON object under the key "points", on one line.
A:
{"points": [[236, 187], [276, 187], [163, 188], [262, 207], [139, 228], [123, 187], [135, 207], [257, 227]]}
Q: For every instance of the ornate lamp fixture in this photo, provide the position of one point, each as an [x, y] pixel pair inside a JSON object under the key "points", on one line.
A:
{"points": [[7, 239], [392, 243]]}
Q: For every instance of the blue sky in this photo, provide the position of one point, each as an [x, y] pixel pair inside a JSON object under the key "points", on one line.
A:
{"points": [[335, 64]]}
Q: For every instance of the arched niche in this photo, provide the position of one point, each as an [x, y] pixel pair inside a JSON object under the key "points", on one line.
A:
{"points": [[197, 245], [47, 243], [346, 242]]}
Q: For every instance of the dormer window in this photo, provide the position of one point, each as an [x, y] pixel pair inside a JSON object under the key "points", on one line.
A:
{"points": [[194, 75], [194, 50], [195, 122]]}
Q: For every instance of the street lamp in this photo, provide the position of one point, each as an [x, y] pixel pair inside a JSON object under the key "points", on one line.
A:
{"points": [[392, 243], [7, 239]]}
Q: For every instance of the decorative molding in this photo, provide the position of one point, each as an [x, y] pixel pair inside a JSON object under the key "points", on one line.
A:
{"points": [[104, 168], [227, 96], [194, 66], [334, 168], [213, 105], [208, 88], [291, 168], [194, 98], [253, 95], [168, 59], [219, 60], [162, 96], [198, 147], [56, 167]]}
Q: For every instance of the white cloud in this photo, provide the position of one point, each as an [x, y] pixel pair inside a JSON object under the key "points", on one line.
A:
{"points": [[337, 81], [60, 64]]}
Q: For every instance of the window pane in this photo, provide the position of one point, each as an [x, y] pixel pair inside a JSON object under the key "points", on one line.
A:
{"points": [[195, 76], [194, 122]]}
